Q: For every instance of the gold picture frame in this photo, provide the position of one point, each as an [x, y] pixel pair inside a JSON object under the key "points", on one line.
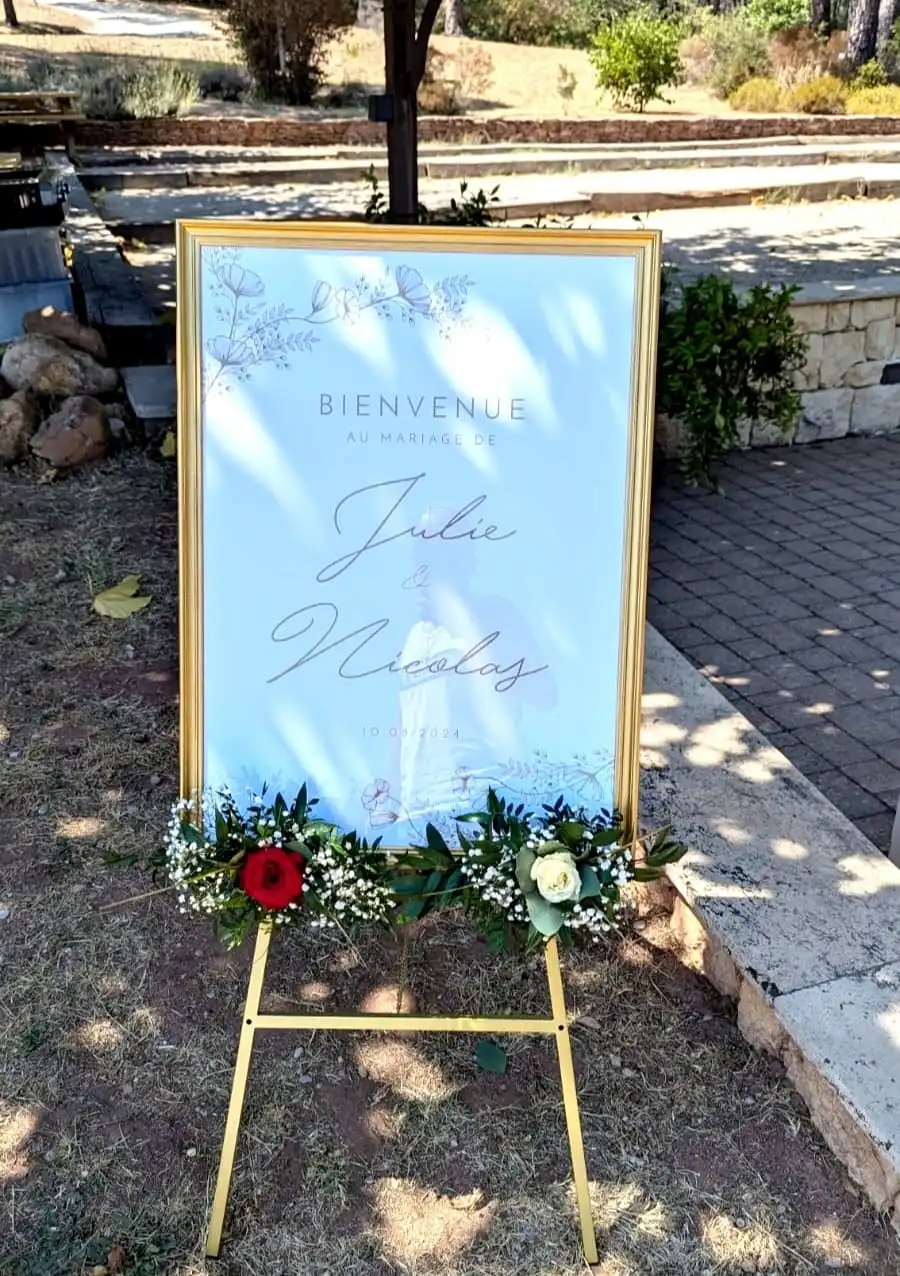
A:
{"points": [[645, 248]]}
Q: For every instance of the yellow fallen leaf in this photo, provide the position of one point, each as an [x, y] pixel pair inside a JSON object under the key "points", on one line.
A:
{"points": [[168, 446], [120, 601]]}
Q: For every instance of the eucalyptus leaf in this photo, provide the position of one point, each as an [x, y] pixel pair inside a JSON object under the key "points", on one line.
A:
{"points": [[571, 829], [546, 918], [525, 860], [590, 883], [551, 848], [490, 1057]]}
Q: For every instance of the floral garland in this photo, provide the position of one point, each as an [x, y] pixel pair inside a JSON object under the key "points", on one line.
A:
{"points": [[560, 872], [275, 863], [520, 876]]}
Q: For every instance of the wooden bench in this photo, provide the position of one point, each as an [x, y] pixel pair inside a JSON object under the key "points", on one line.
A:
{"points": [[30, 121]]}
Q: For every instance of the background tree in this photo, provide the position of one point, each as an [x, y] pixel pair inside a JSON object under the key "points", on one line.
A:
{"points": [[888, 11], [9, 13], [405, 51], [862, 26], [454, 23], [820, 16]]}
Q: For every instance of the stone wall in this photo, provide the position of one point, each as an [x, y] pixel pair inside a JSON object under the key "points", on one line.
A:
{"points": [[313, 129], [851, 381]]}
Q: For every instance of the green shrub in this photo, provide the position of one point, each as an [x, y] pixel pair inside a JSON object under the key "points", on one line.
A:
{"points": [[725, 358], [871, 75], [881, 101], [738, 52], [635, 57], [777, 15], [759, 94], [284, 43], [824, 95], [541, 22], [149, 92]]}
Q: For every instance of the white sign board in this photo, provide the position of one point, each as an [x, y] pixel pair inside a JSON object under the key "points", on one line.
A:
{"points": [[414, 495]]}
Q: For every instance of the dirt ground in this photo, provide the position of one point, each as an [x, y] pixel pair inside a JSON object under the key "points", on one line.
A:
{"points": [[522, 80], [360, 1155]]}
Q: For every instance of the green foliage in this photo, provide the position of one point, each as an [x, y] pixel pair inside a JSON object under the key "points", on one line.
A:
{"points": [[541, 22], [759, 94], [777, 15], [468, 210], [725, 358], [871, 75], [823, 95], [738, 51], [881, 101], [147, 92], [636, 57], [284, 43]]}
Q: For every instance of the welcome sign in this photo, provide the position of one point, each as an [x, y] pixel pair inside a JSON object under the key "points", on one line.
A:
{"points": [[414, 494]]}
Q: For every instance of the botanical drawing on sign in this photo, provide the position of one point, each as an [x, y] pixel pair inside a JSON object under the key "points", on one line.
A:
{"points": [[534, 781], [252, 332]]}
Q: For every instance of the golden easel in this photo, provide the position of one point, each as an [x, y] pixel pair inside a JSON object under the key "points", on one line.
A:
{"points": [[556, 1025]]}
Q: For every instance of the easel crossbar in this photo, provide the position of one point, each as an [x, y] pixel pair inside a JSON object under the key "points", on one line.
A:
{"points": [[409, 1023]]}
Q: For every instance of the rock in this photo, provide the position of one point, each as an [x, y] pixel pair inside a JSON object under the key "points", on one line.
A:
{"points": [[838, 316], [876, 410], [18, 422], [48, 366], [48, 322], [826, 415], [78, 432], [880, 338], [864, 374], [862, 313], [840, 350]]}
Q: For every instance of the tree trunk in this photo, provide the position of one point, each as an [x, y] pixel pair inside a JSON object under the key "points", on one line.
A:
{"points": [[454, 23], [401, 85], [887, 14], [9, 13], [862, 25], [820, 16]]}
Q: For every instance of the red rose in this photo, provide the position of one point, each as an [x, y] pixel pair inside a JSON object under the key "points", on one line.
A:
{"points": [[273, 877]]}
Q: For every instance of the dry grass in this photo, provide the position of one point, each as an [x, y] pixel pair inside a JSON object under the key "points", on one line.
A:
{"points": [[524, 80], [360, 1155]]}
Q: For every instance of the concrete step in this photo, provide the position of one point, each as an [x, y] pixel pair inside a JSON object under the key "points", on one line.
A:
{"points": [[331, 169], [149, 215]]}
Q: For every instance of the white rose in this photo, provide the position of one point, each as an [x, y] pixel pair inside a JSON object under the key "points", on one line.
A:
{"points": [[557, 877]]}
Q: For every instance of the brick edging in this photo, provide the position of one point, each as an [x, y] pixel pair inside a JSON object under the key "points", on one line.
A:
{"points": [[227, 130]]}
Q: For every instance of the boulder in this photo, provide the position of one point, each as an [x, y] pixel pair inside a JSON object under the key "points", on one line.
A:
{"points": [[78, 432], [18, 422], [47, 365], [66, 327]]}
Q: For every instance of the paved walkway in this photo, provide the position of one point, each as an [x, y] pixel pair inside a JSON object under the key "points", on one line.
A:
{"points": [[785, 591], [118, 17]]}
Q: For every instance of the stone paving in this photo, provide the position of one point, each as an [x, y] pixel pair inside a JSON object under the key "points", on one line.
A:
{"points": [[784, 589]]}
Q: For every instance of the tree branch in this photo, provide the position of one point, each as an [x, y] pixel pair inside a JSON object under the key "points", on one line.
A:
{"points": [[423, 35]]}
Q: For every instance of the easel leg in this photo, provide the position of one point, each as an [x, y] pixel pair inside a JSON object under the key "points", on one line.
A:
{"points": [[238, 1091], [570, 1102]]}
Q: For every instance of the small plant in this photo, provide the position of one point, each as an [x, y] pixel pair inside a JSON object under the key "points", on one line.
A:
{"points": [[761, 94], [635, 58], [725, 358], [468, 210], [777, 15], [439, 91], [150, 92], [473, 71], [881, 101], [566, 83], [738, 52], [824, 95], [284, 43], [871, 75]]}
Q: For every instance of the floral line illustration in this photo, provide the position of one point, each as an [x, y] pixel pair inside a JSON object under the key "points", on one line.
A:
{"points": [[255, 333]]}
